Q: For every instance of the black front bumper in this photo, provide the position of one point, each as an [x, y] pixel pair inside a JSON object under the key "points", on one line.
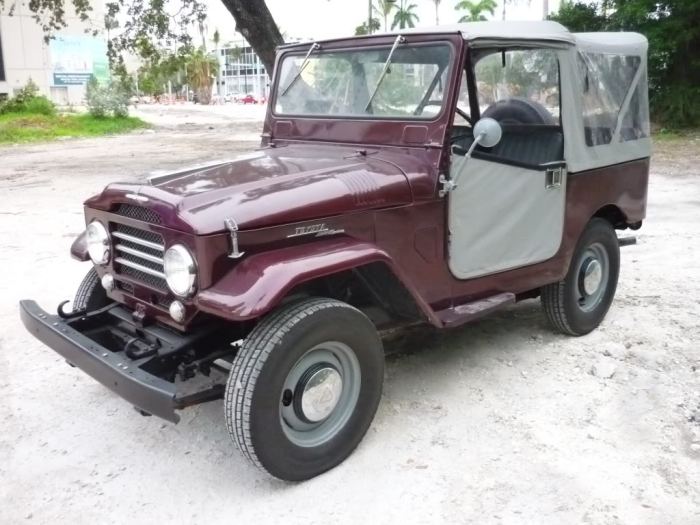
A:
{"points": [[144, 390]]}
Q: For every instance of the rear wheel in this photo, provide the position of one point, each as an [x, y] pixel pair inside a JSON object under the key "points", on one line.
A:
{"points": [[304, 388], [90, 294], [578, 304]]}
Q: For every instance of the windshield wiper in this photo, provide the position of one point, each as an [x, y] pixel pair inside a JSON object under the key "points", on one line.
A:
{"points": [[399, 40], [314, 47]]}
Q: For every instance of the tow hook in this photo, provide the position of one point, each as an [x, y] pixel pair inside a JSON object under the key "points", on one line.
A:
{"points": [[68, 315]]}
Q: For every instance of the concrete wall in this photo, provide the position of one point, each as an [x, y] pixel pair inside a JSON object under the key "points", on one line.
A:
{"points": [[26, 55]]}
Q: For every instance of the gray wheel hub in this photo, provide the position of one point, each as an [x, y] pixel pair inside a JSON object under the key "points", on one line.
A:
{"points": [[593, 275], [320, 394]]}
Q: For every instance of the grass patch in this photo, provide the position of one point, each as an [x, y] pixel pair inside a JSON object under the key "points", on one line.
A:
{"points": [[22, 127], [676, 134]]}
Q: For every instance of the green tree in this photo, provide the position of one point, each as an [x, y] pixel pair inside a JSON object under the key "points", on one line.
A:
{"points": [[580, 17], [437, 14], [673, 30], [216, 38], [149, 26], [362, 28], [476, 9], [405, 16], [384, 8], [201, 72]]}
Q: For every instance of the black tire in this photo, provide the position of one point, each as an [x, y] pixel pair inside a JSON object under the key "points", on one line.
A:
{"points": [[517, 110], [255, 392], [564, 302], [90, 294]]}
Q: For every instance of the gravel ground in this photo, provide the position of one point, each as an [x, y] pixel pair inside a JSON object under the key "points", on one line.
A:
{"points": [[501, 421]]}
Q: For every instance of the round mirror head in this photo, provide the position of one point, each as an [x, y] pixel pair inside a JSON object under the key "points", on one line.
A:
{"points": [[488, 132]]}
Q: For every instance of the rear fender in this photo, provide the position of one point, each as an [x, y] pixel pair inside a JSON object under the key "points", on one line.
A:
{"points": [[260, 282]]}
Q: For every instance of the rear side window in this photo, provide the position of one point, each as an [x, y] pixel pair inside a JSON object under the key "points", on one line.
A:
{"points": [[614, 94]]}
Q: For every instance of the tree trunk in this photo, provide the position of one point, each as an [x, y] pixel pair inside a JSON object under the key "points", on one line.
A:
{"points": [[254, 21]]}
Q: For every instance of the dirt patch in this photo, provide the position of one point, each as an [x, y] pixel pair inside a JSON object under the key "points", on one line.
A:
{"points": [[501, 421]]}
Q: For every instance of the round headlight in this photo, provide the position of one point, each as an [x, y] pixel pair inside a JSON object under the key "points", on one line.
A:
{"points": [[98, 242], [180, 270]]}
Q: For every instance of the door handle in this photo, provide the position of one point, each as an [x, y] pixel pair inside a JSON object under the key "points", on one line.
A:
{"points": [[553, 177]]}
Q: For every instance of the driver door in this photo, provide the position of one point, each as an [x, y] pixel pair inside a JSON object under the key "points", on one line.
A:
{"points": [[507, 210]]}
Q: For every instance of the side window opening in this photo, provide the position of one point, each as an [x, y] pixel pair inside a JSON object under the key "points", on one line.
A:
{"points": [[520, 88]]}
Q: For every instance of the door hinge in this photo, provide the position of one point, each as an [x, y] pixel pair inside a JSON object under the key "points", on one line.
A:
{"points": [[447, 185], [553, 177]]}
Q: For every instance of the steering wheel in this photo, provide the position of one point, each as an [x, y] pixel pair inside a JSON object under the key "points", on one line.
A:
{"points": [[464, 115]]}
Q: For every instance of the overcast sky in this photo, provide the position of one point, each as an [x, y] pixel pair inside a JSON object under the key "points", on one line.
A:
{"points": [[319, 19]]}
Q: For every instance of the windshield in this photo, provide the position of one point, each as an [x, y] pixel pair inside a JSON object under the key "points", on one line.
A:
{"points": [[342, 82]]}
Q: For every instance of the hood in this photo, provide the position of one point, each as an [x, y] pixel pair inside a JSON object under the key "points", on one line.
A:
{"points": [[266, 188]]}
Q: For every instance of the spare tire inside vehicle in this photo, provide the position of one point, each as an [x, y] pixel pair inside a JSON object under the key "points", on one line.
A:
{"points": [[516, 110]]}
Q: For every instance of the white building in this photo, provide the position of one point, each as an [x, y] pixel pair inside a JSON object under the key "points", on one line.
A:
{"points": [[60, 68], [241, 71]]}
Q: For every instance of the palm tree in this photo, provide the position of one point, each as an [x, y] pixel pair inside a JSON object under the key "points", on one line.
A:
{"points": [[201, 67], [216, 38], [476, 9], [437, 16], [383, 8], [405, 16]]}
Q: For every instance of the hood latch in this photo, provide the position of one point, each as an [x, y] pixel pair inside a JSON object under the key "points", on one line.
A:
{"points": [[233, 230]]}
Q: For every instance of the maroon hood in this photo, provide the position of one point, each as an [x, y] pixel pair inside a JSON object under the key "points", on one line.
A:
{"points": [[265, 188]]}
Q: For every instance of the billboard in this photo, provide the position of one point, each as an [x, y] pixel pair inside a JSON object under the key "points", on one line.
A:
{"points": [[76, 58]]}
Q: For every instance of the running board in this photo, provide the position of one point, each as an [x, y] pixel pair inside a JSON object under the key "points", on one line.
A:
{"points": [[457, 315]]}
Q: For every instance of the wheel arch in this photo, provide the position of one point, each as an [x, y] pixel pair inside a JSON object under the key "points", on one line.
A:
{"points": [[262, 281], [614, 215]]}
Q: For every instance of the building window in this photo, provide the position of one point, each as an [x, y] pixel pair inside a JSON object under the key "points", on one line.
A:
{"points": [[2, 63]]}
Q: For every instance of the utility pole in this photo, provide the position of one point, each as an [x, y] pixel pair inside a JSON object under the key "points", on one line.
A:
{"points": [[369, 17], [545, 9]]}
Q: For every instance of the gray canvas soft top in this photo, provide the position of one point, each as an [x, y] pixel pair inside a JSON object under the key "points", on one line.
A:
{"points": [[604, 103]]}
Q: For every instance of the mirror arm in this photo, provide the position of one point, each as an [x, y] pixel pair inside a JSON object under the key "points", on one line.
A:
{"points": [[476, 142]]}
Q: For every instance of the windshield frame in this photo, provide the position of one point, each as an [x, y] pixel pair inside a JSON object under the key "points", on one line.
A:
{"points": [[300, 51]]}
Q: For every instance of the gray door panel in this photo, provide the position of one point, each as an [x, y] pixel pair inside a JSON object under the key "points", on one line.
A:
{"points": [[502, 217]]}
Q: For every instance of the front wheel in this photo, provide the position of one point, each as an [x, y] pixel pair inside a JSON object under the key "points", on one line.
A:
{"points": [[90, 295], [304, 388], [578, 304]]}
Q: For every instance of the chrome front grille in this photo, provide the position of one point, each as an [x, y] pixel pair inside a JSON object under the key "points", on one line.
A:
{"points": [[138, 254]]}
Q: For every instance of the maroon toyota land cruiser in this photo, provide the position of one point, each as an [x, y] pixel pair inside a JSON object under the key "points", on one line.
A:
{"points": [[433, 176]]}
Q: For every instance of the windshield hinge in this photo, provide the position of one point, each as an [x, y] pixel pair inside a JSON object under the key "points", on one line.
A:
{"points": [[448, 185]]}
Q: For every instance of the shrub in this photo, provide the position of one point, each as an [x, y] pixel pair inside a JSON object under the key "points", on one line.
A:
{"points": [[107, 99], [28, 101]]}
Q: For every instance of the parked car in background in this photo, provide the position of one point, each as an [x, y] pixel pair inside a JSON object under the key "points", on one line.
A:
{"points": [[434, 176], [248, 99]]}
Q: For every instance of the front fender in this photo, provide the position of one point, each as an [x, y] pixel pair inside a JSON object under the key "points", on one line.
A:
{"points": [[78, 249], [259, 282]]}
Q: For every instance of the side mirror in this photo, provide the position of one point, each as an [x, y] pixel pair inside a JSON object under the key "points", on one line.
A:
{"points": [[487, 132]]}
